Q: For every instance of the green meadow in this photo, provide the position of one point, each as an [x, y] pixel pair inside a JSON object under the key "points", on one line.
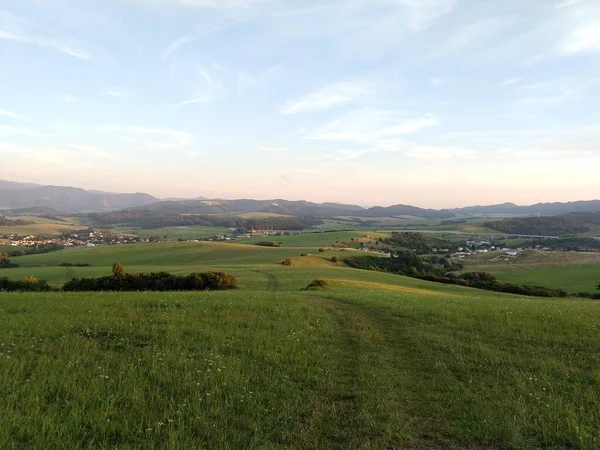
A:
{"points": [[583, 278], [373, 361]]}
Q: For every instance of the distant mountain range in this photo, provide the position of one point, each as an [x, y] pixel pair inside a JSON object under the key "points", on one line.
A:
{"points": [[66, 199], [23, 198]]}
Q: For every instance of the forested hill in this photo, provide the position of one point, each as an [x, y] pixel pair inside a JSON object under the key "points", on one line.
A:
{"points": [[540, 226]]}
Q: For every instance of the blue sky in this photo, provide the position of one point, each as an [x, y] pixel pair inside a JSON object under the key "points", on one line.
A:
{"points": [[429, 102]]}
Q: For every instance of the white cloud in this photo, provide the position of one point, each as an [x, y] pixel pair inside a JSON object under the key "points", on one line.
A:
{"points": [[94, 152], [246, 81], [554, 92], [566, 3], [12, 115], [437, 81], [176, 46], [9, 131], [194, 153], [585, 38], [332, 95], [510, 81], [422, 13], [274, 150], [440, 153], [162, 139], [206, 3], [121, 93], [68, 98], [12, 29], [368, 126]]}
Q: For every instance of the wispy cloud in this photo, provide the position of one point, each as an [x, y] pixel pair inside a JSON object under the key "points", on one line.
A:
{"points": [[246, 81], [121, 93], [554, 92], [91, 151], [206, 3], [274, 150], [12, 29], [207, 87], [171, 49], [332, 95], [585, 38], [510, 81], [368, 126], [9, 131], [68, 98], [12, 115], [423, 13], [440, 153], [437, 81], [156, 138]]}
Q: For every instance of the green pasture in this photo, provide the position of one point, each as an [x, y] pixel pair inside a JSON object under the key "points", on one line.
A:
{"points": [[188, 233], [581, 278], [374, 361]]}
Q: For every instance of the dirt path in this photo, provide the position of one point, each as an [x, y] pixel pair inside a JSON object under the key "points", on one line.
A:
{"points": [[272, 283]]}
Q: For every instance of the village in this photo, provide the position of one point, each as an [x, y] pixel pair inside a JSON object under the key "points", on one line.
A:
{"points": [[81, 238]]}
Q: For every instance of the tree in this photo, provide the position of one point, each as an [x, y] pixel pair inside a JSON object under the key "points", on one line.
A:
{"points": [[598, 287], [118, 271]]}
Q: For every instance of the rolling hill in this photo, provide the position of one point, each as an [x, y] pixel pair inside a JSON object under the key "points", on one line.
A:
{"points": [[68, 199]]}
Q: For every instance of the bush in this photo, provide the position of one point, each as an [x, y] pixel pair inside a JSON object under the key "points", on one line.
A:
{"points": [[305, 254], [334, 259], [286, 262], [317, 284], [321, 250], [161, 281], [269, 244], [29, 284]]}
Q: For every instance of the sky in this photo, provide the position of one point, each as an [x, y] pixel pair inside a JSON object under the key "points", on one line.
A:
{"points": [[435, 103]]}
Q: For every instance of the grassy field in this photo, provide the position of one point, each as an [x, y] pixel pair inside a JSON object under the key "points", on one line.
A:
{"points": [[187, 233], [41, 226], [572, 271], [174, 257], [317, 239], [573, 279], [374, 361]]}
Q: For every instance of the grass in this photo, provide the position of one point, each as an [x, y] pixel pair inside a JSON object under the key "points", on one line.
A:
{"points": [[373, 361], [319, 239], [179, 258], [192, 232], [573, 279], [572, 271]]}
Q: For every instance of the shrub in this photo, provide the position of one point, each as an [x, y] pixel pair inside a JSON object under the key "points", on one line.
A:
{"points": [[118, 271], [321, 250], [316, 284], [286, 262], [161, 281], [269, 244], [334, 259], [29, 284]]}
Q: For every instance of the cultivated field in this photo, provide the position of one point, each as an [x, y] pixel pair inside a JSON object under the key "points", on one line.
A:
{"points": [[373, 361], [572, 271]]}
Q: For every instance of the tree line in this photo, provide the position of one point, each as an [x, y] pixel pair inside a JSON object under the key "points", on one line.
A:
{"points": [[409, 264], [120, 281]]}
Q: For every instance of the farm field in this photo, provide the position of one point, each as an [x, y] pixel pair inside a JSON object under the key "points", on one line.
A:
{"points": [[188, 233], [176, 258], [42, 226], [573, 279], [373, 361], [572, 271]]}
